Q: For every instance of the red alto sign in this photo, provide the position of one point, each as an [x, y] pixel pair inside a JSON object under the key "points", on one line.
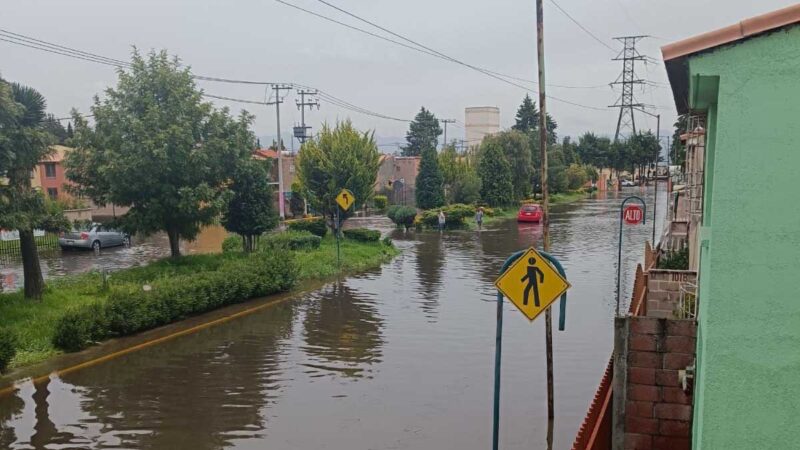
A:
{"points": [[632, 214]]}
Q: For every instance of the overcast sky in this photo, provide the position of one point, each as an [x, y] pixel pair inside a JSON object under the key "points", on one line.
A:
{"points": [[266, 40]]}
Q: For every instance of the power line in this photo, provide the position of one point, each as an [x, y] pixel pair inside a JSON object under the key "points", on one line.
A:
{"points": [[430, 51], [37, 44], [586, 30]]}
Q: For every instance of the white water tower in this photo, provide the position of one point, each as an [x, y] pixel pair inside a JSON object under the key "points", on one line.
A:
{"points": [[480, 121]]}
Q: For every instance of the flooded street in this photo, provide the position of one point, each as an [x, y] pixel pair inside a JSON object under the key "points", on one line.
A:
{"points": [[397, 358]]}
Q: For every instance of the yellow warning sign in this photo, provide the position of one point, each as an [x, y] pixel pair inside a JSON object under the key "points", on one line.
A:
{"points": [[345, 199], [531, 284]]}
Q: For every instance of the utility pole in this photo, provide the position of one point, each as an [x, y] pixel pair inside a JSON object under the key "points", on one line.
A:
{"points": [[277, 88], [655, 193], [545, 215], [303, 135], [627, 103], [445, 122]]}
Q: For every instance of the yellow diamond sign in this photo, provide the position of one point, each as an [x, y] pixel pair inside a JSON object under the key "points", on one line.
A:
{"points": [[345, 199], [531, 284]]}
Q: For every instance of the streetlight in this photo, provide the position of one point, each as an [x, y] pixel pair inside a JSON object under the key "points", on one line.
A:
{"points": [[655, 193]]}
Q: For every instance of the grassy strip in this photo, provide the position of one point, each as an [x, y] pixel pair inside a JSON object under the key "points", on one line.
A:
{"points": [[46, 241], [34, 323]]}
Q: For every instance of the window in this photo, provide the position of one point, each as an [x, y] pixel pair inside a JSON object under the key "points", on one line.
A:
{"points": [[52, 193], [50, 170]]}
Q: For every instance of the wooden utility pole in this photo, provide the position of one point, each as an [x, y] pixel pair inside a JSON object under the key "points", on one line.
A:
{"points": [[545, 215]]}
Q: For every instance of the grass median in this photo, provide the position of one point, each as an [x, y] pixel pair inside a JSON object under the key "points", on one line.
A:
{"points": [[78, 310]]}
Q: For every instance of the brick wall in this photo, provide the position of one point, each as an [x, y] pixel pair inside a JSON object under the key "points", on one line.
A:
{"points": [[663, 290], [658, 413]]}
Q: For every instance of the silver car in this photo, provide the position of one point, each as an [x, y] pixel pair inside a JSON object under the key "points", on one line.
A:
{"points": [[94, 236]]}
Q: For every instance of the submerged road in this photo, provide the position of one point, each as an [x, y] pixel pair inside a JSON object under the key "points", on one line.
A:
{"points": [[397, 358]]}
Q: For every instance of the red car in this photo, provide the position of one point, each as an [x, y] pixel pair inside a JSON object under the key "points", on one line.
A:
{"points": [[529, 213]]}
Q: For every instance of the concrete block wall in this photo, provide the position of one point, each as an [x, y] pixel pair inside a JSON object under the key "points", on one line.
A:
{"points": [[664, 290], [658, 413]]}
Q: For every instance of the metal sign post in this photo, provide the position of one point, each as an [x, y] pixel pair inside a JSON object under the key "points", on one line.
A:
{"points": [[531, 296], [631, 215], [344, 201]]}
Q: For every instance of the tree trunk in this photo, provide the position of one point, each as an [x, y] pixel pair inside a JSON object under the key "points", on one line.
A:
{"points": [[174, 243], [34, 283]]}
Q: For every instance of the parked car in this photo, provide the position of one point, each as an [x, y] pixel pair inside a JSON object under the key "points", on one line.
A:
{"points": [[627, 183], [94, 236], [529, 213]]}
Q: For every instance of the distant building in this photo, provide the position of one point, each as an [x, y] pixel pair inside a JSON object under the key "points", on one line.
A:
{"points": [[289, 172], [480, 122], [397, 178], [52, 177]]}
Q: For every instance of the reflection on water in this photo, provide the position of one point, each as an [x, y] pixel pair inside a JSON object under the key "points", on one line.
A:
{"points": [[341, 331], [56, 263], [400, 357]]}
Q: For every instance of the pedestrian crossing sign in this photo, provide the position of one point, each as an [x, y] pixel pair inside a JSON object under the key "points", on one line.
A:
{"points": [[345, 199], [532, 284]]}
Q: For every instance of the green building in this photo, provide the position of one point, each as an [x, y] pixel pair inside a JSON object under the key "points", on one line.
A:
{"points": [[740, 86]]}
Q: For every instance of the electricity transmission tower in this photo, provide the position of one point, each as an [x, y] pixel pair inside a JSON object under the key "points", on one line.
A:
{"points": [[301, 132], [626, 124]]}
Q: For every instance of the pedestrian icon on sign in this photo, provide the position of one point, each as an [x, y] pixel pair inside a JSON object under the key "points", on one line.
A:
{"points": [[534, 276]]}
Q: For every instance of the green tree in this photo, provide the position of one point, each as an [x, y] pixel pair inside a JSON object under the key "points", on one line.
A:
{"points": [[594, 150], [527, 120], [495, 173], [423, 133], [677, 148], [250, 212], [338, 158], [430, 183], [644, 150], [159, 149], [54, 127], [515, 146], [23, 143], [576, 176]]}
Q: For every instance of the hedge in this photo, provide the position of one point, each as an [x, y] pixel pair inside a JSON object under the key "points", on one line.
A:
{"points": [[402, 215], [380, 202], [362, 234], [232, 243], [8, 348], [291, 240], [132, 309], [315, 225], [455, 215]]}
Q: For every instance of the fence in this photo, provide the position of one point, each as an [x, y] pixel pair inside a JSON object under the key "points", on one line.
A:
{"points": [[11, 247]]}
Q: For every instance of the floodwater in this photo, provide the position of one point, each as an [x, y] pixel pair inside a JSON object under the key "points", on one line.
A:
{"points": [[397, 358], [57, 263]]}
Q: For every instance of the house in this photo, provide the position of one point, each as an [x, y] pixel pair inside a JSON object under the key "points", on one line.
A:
{"points": [[740, 87], [397, 178], [289, 172], [52, 177]]}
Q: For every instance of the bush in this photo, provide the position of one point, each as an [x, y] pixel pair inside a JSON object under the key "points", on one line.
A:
{"points": [[8, 348], [78, 328], [387, 241], [576, 176], [380, 202], [455, 215], [291, 240], [403, 216], [130, 310], [362, 234], [232, 243], [315, 225], [678, 260]]}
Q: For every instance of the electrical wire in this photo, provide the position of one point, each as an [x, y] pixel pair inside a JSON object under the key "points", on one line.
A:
{"points": [[428, 50], [38, 44], [586, 30]]}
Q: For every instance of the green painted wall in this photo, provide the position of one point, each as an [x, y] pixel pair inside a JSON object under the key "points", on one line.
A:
{"points": [[747, 391]]}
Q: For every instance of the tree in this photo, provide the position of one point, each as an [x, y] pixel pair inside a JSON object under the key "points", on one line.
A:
{"points": [[159, 149], [518, 154], [70, 133], [644, 150], [430, 183], [677, 148], [594, 150], [423, 133], [495, 174], [338, 158], [54, 127], [250, 212], [23, 143], [576, 176], [527, 120]]}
